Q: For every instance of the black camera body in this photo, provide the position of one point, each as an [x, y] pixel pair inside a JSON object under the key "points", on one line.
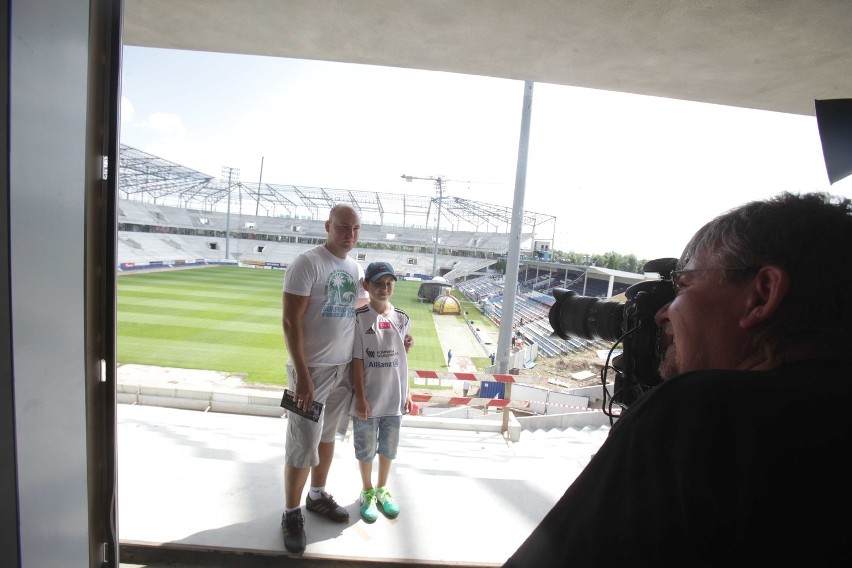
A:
{"points": [[630, 323]]}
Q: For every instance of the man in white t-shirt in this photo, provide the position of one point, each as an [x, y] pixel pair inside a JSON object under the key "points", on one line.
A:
{"points": [[321, 292]]}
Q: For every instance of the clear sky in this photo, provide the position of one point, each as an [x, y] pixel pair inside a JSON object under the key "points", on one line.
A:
{"points": [[624, 173]]}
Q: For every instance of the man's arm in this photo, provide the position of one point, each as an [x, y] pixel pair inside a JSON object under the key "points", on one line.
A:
{"points": [[363, 297], [293, 315], [407, 341]]}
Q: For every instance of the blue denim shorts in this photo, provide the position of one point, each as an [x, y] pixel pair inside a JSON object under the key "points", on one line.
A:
{"points": [[378, 434]]}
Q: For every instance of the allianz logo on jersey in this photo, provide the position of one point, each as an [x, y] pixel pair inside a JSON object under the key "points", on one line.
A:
{"points": [[383, 364]]}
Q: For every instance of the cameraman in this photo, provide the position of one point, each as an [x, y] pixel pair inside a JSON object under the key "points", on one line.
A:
{"points": [[738, 456]]}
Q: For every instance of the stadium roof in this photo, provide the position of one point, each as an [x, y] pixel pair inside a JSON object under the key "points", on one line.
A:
{"points": [[151, 179], [776, 56]]}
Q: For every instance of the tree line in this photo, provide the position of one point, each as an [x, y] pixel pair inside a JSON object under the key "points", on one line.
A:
{"points": [[611, 260]]}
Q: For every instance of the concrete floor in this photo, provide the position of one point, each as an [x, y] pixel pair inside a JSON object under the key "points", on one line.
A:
{"points": [[206, 489]]}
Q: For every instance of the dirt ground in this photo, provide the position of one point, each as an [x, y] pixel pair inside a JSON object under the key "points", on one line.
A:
{"points": [[561, 373], [568, 369]]}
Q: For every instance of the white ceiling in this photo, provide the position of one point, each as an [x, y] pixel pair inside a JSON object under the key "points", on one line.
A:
{"points": [[776, 55]]}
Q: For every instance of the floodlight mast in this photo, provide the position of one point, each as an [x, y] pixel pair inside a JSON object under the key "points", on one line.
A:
{"points": [[232, 173], [439, 185]]}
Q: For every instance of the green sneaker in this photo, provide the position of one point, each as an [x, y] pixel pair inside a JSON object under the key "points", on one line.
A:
{"points": [[387, 503], [368, 506]]}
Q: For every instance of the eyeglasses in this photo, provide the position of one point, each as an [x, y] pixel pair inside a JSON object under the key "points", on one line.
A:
{"points": [[678, 274]]}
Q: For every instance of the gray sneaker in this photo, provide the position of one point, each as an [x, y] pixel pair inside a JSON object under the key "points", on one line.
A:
{"points": [[328, 507], [293, 527]]}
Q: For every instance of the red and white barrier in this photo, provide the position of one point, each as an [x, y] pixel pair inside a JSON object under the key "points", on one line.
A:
{"points": [[447, 379]]}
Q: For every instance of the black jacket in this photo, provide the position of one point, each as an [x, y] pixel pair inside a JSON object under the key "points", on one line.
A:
{"points": [[714, 468]]}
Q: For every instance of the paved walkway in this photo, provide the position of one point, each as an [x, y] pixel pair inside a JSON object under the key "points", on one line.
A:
{"points": [[454, 334]]}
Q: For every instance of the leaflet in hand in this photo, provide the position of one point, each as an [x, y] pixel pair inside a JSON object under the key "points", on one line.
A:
{"points": [[288, 402]]}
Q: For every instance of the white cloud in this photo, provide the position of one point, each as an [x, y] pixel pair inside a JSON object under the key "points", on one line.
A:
{"points": [[166, 125], [127, 110]]}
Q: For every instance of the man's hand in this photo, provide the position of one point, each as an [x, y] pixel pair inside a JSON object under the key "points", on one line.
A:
{"points": [[304, 392]]}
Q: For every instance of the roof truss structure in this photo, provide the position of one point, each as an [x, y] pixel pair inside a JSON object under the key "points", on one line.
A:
{"points": [[151, 179]]}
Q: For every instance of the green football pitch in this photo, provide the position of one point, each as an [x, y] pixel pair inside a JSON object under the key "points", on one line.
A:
{"points": [[229, 319]]}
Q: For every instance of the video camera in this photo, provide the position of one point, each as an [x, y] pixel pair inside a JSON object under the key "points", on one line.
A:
{"points": [[630, 323]]}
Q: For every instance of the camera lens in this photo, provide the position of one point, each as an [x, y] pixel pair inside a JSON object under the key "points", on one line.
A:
{"points": [[573, 315]]}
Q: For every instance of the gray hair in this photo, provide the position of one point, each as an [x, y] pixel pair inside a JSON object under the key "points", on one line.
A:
{"points": [[809, 236]]}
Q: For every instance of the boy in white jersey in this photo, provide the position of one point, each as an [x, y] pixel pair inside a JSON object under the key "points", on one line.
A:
{"points": [[380, 386]]}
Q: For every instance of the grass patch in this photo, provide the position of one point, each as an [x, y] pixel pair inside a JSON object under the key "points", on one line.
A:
{"points": [[229, 319]]}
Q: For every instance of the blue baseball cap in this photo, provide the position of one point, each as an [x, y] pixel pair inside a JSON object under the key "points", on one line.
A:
{"points": [[378, 269]]}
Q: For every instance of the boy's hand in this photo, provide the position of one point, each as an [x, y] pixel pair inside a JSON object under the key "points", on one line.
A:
{"points": [[408, 342], [362, 408]]}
